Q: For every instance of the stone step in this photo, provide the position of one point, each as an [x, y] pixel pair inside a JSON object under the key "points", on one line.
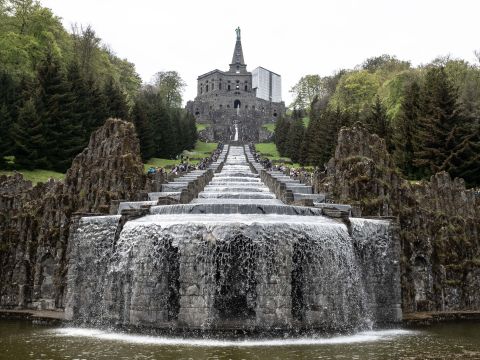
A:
{"points": [[339, 207], [301, 189], [134, 205], [154, 196]]}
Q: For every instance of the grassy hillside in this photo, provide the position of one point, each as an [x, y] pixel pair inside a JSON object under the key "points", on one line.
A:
{"points": [[36, 176], [201, 127], [269, 150], [201, 150], [269, 127]]}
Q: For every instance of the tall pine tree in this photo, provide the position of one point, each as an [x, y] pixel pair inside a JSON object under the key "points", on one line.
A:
{"points": [[294, 139], [439, 116], [57, 110], [144, 132], [464, 158], [377, 122], [282, 127], [115, 100], [28, 136], [406, 128]]}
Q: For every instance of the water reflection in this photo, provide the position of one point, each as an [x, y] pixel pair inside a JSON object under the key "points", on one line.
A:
{"points": [[21, 340]]}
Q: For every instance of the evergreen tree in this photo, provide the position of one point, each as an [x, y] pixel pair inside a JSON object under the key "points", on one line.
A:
{"points": [[303, 156], [464, 159], [97, 102], [29, 143], [81, 112], [144, 133], [62, 127], [313, 136], [8, 99], [439, 116], [406, 130], [294, 140], [189, 130], [323, 130], [377, 122], [116, 102], [282, 127], [5, 140]]}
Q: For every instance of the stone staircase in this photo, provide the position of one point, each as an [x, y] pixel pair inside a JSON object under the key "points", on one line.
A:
{"points": [[292, 191]]}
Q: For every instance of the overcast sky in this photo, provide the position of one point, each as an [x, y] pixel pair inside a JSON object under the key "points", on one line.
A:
{"points": [[289, 37]]}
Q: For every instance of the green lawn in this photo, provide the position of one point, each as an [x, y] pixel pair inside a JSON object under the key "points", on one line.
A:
{"points": [[306, 121], [157, 162], [201, 127], [205, 147], [269, 150], [201, 150], [269, 127], [36, 176]]}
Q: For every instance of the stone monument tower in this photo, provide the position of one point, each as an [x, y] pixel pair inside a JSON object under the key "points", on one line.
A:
{"points": [[237, 101]]}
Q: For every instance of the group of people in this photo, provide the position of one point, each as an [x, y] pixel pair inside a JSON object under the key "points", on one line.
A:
{"points": [[296, 173], [265, 162], [185, 164]]}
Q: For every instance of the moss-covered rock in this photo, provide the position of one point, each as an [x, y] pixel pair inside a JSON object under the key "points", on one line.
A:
{"points": [[439, 220], [36, 220]]}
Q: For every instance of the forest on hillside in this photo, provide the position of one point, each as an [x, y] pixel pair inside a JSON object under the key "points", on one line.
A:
{"points": [[57, 86], [429, 116]]}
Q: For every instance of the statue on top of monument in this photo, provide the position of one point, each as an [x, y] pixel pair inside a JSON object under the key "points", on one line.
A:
{"points": [[237, 30]]}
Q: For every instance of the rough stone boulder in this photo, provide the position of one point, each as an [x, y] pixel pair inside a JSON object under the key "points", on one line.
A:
{"points": [[439, 220], [361, 173], [110, 168], [35, 221]]}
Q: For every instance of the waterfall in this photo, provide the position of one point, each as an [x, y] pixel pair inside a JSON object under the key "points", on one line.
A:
{"points": [[236, 130], [234, 257]]}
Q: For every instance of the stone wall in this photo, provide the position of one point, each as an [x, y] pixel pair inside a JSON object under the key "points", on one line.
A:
{"points": [[35, 221], [220, 113], [439, 227]]}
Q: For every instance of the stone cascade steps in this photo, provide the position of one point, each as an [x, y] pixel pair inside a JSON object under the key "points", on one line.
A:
{"points": [[172, 191], [174, 188], [236, 188], [301, 192], [236, 181]]}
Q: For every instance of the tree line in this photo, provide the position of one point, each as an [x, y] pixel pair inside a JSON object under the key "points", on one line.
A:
{"points": [[429, 116], [163, 128], [56, 87]]}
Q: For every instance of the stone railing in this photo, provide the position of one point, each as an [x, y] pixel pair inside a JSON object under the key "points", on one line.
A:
{"points": [[277, 187]]}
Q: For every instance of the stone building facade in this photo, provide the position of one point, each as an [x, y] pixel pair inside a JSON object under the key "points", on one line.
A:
{"points": [[232, 101]]}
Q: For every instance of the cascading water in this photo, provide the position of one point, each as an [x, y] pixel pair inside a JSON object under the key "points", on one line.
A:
{"points": [[235, 257], [235, 138]]}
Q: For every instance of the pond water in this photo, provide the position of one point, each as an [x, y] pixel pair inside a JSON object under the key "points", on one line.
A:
{"points": [[23, 340]]}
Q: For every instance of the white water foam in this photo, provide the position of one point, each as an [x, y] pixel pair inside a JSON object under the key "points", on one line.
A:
{"points": [[361, 337]]}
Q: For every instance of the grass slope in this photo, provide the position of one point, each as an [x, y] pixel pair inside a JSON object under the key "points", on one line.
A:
{"points": [[201, 150], [201, 127], [306, 121], [36, 176], [269, 127], [269, 150]]}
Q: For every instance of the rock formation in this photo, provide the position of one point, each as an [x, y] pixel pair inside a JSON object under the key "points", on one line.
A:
{"points": [[35, 221], [440, 230]]}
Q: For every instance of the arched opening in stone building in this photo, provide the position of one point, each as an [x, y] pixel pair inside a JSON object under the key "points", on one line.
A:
{"points": [[236, 105]]}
